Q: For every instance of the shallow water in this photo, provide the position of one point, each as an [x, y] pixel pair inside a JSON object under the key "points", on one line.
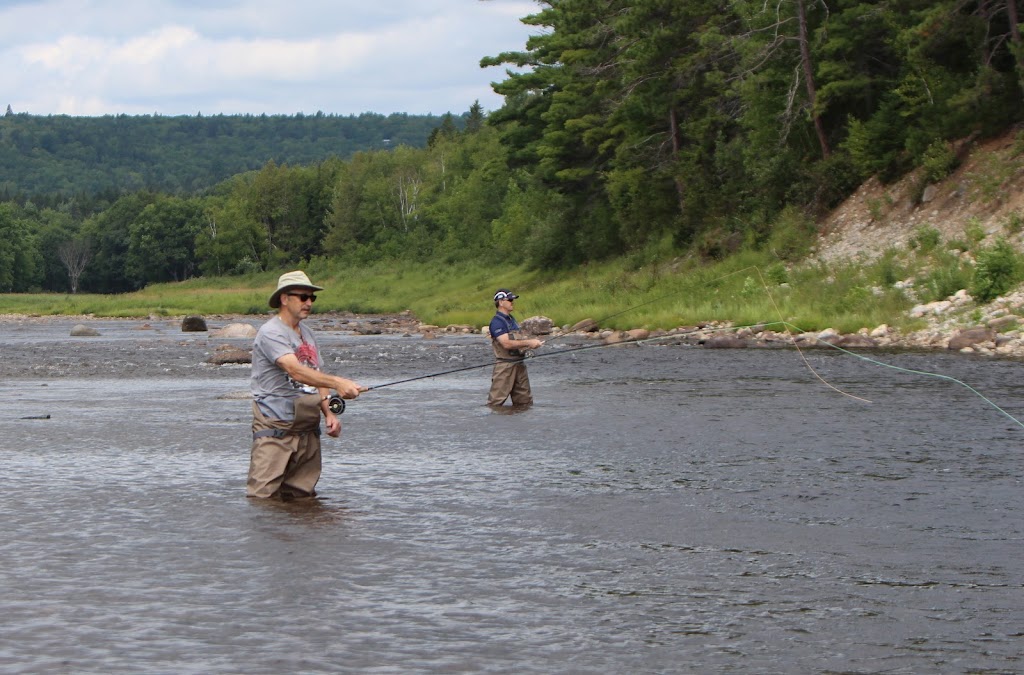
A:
{"points": [[660, 509]]}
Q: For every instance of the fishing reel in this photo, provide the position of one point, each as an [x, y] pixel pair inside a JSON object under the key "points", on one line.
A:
{"points": [[336, 404]]}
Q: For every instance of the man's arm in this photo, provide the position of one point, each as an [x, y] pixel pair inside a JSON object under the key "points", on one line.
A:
{"points": [[508, 343], [290, 364]]}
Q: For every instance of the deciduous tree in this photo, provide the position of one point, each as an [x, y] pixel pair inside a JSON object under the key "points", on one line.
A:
{"points": [[74, 254]]}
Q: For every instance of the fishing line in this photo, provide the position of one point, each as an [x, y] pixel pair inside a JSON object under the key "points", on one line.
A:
{"points": [[919, 372], [782, 321], [876, 362], [798, 350], [786, 324]]}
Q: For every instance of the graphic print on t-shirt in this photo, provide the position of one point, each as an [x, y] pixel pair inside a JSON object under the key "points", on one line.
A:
{"points": [[307, 356]]}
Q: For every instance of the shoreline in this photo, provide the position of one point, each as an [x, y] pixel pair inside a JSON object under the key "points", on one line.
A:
{"points": [[996, 333]]}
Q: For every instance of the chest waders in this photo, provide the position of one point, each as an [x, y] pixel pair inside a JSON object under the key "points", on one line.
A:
{"points": [[509, 377], [285, 458]]}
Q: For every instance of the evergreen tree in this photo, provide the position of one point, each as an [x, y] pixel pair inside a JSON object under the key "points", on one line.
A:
{"points": [[475, 118]]}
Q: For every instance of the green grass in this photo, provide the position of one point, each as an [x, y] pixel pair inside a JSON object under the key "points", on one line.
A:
{"points": [[746, 289]]}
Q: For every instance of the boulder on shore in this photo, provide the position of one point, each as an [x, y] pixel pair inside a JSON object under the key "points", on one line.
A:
{"points": [[615, 337], [193, 324], [638, 334], [725, 342], [585, 326], [970, 337], [854, 341], [538, 325]]}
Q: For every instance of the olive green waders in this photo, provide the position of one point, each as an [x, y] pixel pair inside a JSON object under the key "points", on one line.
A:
{"points": [[285, 459], [510, 379], [509, 376]]}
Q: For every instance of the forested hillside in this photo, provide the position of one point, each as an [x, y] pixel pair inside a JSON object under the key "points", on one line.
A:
{"points": [[57, 156], [639, 128]]}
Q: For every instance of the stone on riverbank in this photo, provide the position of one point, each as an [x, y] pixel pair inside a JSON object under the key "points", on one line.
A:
{"points": [[854, 341], [193, 324], [970, 337], [725, 342], [538, 325], [585, 326]]}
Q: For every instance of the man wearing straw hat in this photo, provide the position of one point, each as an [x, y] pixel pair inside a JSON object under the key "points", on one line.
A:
{"points": [[289, 394]]}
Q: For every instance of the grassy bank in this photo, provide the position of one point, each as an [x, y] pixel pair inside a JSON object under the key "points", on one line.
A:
{"points": [[747, 288]]}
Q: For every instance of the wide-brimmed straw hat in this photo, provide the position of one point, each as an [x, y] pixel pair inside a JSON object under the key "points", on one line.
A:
{"points": [[290, 280]]}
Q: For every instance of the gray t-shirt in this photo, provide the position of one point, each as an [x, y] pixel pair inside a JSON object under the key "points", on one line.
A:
{"points": [[273, 390]]}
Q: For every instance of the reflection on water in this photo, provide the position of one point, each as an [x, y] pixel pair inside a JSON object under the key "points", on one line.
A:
{"points": [[509, 409], [656, 510], [310, 511]]}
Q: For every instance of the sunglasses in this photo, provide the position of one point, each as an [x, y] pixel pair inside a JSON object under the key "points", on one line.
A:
{"points": [[304, 296]]}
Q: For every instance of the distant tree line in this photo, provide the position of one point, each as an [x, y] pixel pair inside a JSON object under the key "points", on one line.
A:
{"points": [[636, 127], [54, 157]]}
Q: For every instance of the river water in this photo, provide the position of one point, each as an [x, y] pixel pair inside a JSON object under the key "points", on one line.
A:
{"points": [[661, 509]]}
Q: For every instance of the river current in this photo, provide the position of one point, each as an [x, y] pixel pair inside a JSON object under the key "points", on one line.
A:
{"points": [[660, 509]]}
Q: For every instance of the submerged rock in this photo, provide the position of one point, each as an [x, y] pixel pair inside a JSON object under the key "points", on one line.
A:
{"points": [[228, 354], [81, 330], [235, 330]]}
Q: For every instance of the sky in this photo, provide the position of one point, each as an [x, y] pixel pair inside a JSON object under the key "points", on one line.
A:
{"points": [[274, 57]]}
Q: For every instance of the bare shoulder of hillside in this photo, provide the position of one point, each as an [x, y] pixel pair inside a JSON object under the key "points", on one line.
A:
{"points": [[986, 192]]}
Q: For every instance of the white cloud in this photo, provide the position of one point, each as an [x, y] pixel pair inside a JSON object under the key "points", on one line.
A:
{"points": [[178, 57]]}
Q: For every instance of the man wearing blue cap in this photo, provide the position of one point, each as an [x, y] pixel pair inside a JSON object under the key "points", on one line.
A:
{"points": [[509, 377]]}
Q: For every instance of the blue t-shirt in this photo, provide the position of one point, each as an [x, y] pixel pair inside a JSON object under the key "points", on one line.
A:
{"points": [[502, 324]]}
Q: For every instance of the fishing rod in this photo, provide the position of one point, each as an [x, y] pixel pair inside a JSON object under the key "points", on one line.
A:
{"points": [[560, 352], [337, 404], [530, 355], [533, 355]]}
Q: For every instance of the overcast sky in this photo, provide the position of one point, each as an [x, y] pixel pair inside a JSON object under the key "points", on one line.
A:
{"points": [[183, 57]]}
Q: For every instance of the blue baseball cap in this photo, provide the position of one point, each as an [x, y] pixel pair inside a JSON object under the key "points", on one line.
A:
{"points": [[504, 294]]}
